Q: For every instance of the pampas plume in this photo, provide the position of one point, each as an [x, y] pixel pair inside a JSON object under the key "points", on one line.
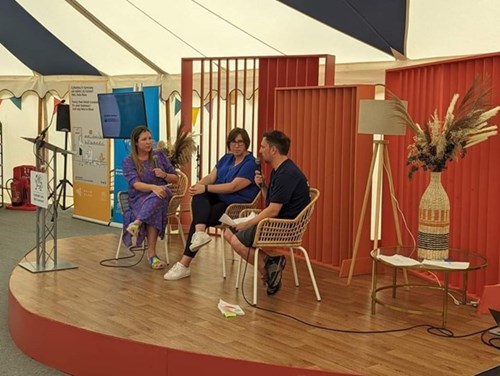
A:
{"points": [[181, 151]]}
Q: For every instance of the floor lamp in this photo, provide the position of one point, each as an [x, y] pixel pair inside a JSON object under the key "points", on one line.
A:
{"points": [[377, 117]]}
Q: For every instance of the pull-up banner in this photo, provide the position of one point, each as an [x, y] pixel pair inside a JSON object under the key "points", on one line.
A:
{"points": [[122, 147], [91, 178]]}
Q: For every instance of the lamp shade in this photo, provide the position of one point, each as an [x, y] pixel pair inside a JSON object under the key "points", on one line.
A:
{"points": [[378, 117]]}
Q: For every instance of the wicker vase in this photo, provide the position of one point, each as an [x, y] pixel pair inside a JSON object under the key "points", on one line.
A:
{"points": [[434, 221]]}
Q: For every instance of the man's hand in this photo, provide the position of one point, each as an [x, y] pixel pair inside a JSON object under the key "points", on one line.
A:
{"points": [[242, 226], [259, 179]]}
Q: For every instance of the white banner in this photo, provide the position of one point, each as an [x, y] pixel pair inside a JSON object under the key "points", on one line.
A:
{"points": [[91, 175]]}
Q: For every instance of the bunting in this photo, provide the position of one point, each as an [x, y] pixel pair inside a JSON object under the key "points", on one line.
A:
{"points": [[17, 102], [56, 103], [177, 106], [196, 111], [208, 106]]}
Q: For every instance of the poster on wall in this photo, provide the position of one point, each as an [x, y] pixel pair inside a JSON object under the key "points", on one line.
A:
{"points": [[91, 165]]}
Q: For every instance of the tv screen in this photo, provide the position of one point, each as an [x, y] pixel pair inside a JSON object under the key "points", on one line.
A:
{"points": [[121, 112]]}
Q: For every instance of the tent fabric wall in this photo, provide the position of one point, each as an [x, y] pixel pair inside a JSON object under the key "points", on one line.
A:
{"points": [[472, 183], [322, 124]]}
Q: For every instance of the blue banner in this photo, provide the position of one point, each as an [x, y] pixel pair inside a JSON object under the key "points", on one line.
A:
{"points": [[122, 147]]}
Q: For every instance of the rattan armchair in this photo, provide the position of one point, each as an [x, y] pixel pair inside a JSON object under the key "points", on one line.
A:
{"points": [[234, 211], [123, 206], [283, 233], [179, 191]]}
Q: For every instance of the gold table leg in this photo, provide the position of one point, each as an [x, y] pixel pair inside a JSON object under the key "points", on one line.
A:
{"points": [[394, 281], [374, 284], [445, 298], [464, 287]]}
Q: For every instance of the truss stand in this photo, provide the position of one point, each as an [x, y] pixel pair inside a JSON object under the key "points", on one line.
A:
{"points": [[64, 181], [46, 219]]}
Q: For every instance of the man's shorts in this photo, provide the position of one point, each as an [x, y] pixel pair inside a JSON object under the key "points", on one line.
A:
{"points": [[246, 236]]}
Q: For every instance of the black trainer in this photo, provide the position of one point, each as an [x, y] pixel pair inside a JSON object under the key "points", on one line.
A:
{"points": [[274, 267]]}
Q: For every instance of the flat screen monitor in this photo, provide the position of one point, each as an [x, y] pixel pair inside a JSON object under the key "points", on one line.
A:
{"points": [[121, 112]]}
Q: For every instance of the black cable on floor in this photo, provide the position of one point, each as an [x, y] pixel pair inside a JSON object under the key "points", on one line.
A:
{"points": [[133, 251], [433, 330]]}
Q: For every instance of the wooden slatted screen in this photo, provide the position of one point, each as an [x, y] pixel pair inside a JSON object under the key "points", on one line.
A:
{"points": [[322, 124]]}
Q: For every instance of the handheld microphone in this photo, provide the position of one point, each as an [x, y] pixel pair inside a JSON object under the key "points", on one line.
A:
{"points": [[155, 161], [259, 168]]}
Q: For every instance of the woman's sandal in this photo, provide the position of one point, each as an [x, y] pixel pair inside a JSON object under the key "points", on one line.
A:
{"points": [[133, 229], [156, 263]]}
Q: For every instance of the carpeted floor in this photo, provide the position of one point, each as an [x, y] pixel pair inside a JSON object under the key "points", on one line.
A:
{"points": [[17, 237]]}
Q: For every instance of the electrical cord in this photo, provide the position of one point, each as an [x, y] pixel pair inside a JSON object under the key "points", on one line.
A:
{"points": [[393, 196], [133, 251], [431, 329], [490, 341]]}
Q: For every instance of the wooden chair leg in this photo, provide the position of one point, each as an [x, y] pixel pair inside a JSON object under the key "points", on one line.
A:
{"points": [[255, 275], [238, 271], [181, 230], [119, 245], [165, 242], [222, 252], [311, 273], [294, 267]]}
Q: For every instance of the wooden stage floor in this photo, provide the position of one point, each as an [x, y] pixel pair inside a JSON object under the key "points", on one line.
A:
{"points": [[96, 320]]}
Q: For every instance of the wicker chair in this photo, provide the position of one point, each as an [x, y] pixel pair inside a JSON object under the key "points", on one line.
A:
{"points": [[179, 190], [233, 211], [123, 206], [283, 233]]}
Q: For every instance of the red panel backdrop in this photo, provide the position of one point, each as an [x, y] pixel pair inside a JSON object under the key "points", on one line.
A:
{"points": [[472, 183], [322, 124]]}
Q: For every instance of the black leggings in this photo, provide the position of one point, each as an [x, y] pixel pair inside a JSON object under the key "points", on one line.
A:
{"points": [[207, 209]]}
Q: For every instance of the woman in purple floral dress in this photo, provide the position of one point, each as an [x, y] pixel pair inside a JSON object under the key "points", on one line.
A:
{"points": [[147, 172]]}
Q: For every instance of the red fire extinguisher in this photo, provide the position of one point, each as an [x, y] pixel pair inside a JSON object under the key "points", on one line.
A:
{"points": [[27, 190], [20, 195], [17, 192]]}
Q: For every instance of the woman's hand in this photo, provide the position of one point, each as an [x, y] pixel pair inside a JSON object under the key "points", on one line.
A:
{"points": [[196, 189], [159, 173], [159, 190]]}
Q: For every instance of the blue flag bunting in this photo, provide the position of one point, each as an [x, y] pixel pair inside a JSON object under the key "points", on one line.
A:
{"points": [[17, 102]]}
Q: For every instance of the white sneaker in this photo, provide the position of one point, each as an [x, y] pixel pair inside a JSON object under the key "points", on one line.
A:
{"points": [[176, 272], [199, 239]]}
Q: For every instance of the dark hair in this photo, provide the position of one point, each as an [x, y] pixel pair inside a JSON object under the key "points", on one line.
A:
{"points": [[278, 139], [234, 133], [134, 137]]}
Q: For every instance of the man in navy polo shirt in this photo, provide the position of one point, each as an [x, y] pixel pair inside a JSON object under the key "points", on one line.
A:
{"points": [[286, 196]]}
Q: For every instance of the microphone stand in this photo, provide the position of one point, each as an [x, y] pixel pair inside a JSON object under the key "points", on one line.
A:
{"points": [[62, 183]]}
